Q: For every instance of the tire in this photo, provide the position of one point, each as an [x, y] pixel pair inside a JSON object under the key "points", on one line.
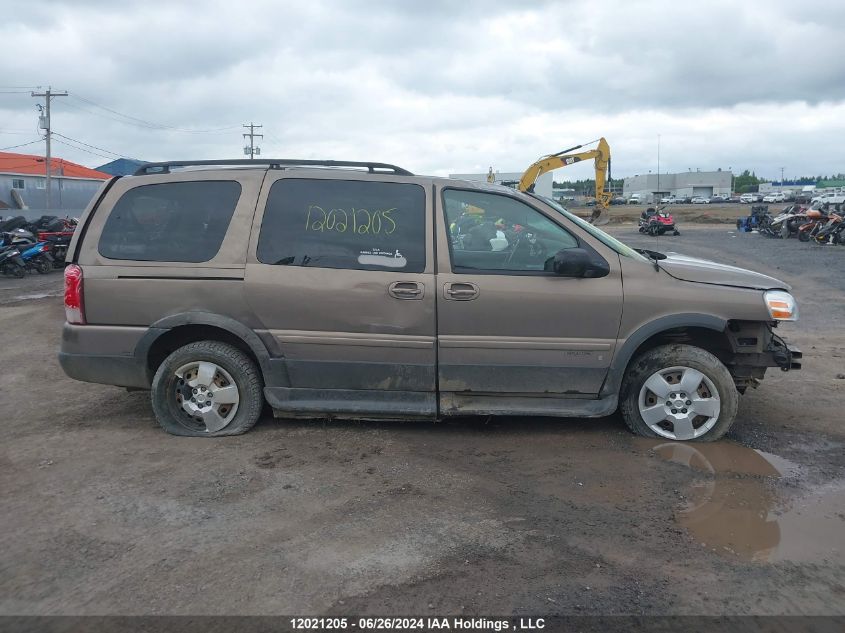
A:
{"points": [[14, 270], [677, 232], [803, 236], [43, 266], [232, 368], [670, 359]]}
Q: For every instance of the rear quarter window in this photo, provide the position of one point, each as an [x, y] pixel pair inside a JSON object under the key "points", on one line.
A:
{"points": [[170, 222], [357, 225]]}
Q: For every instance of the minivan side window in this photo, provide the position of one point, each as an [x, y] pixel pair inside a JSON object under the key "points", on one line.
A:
{"points": [[356, 225], [492, 232], [170, 222]]}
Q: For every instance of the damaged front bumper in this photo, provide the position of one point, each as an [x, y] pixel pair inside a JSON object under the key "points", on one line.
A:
{"points": [[755, 348]]}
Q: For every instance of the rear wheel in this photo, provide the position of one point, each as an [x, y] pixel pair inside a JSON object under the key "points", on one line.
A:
{"points": [[207, 389], [678, 392], [43, 265], [803, 236]]}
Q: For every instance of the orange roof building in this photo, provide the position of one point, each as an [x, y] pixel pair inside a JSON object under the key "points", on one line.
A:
{"points": [[11, 163], [23, 186]]}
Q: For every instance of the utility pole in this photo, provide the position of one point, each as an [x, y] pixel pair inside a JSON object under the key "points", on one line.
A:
{"points": [[251, 149], [658, 163], [44, 124], [781, 178]]}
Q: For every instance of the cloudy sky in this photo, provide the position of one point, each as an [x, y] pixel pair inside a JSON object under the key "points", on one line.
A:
{"points": [[435, 86]]}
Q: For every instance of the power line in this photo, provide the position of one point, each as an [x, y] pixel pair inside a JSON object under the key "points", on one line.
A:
{"points": [[102, 149], [110, 118], [142, 126], [152, 124], [38, 140], [87, 151]]}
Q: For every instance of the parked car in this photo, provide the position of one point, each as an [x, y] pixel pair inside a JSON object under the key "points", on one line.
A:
{"points": [[718, 198], [368, 292], [700, 200], [619, 200], [829, 197], [667, 200], [637, 198], [775, 196], [735, 199], [750, 198]]}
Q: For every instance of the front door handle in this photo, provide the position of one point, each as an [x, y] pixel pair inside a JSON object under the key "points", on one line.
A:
{"points": [[460, 291], [406, 290]]}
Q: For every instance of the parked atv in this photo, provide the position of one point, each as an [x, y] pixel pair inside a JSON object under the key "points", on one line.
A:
{"points": [[657, 222]]}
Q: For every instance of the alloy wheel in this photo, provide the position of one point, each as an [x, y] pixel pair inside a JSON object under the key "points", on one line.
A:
{"points": [[679, 403], [206, 395]]}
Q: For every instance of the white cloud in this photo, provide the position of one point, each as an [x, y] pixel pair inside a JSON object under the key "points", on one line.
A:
{"points": [[440, 87]]}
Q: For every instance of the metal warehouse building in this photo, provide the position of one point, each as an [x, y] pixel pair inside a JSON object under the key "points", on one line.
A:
{"points": [[542, 187], [23, 186], [687, 183]]}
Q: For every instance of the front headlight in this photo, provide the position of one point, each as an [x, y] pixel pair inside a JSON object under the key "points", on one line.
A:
{"points": [[781, 305]]}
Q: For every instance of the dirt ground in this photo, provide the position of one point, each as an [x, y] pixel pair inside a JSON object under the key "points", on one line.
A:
{"points": [[101, 512], [717, 213]]}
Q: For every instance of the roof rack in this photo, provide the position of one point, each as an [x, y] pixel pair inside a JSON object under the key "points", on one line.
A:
{"points": [[273, 163]]}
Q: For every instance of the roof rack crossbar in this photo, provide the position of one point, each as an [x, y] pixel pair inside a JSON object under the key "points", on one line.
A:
{"points": [[273, 163]]}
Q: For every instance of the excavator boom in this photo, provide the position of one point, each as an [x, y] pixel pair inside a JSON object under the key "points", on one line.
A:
{"points": [[601, 156]]}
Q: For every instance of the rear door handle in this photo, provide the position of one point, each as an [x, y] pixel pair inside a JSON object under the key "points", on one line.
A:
{"points": [[460, 291], [406, 290]]}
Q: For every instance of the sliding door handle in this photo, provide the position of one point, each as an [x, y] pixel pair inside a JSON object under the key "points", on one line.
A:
{"points": [[460, 291], [406, 290]]}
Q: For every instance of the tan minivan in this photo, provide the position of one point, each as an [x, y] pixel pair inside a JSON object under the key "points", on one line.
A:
{"points": [[358, 290]]}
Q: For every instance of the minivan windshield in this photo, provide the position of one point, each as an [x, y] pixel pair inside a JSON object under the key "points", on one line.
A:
{"points": [[604, 238]]}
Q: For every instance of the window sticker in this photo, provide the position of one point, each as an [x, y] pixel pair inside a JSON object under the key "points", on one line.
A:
{"points": [[381, 257]]}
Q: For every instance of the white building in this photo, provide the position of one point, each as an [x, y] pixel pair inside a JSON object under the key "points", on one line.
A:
{"points": [[543, 186], [681, 185]]}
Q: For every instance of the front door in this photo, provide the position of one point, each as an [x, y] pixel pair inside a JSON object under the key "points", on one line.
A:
{"points": [[340, 276], [507, 326]]}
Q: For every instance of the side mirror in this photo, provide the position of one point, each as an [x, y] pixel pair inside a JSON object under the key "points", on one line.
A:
{"points": [[577, 262]]}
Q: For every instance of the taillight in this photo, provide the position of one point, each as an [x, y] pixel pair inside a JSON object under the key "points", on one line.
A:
{"points": [[74, 302]]}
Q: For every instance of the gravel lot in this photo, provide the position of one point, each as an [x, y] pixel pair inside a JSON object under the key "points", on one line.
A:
{"points": [[101, 512]]}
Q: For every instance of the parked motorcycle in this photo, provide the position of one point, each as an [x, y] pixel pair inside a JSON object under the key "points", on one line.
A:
{"points": [[832, 230], [11, 263], [816, 219], [34, 254], [788, 221]]}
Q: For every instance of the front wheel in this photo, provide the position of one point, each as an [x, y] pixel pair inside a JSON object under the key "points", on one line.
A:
{"points": [[803, 236], [43, 265], [14, 270], [206, 389], [678, 392]]}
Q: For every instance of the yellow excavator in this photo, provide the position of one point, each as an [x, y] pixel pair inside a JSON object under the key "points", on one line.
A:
{"points": [[601, 154]]}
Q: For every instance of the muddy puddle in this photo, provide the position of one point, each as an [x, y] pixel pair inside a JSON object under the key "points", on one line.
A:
{"points": [[748, 504]]}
